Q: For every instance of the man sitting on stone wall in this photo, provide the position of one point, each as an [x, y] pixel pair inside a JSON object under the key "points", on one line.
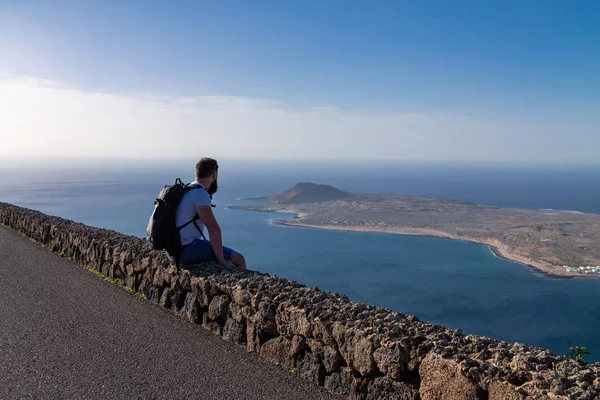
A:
{"points": [[195, 247]]}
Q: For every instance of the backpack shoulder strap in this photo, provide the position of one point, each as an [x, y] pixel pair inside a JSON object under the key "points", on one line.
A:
{"points": [[187, 188], [191, 186]]}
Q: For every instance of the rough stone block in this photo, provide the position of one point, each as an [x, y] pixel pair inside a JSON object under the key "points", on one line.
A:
{"points": [[105, 269], [129, 269], [191, 309], [130, 283], [329, 357], [177, 299], [321, 330], [234, 331], [310, 368], [345, 383], [441, 379], [503, 391], [165, 298], [115, 272], [202, 290], [356, 350], [217, 310], [240, 296], [144, 265], [154, 293], [235, 311], [125, 258], [160, 278], [276, 351], [146, 280], [297, 346], [116, 256], [392, 359], [211, 325], [181, 282], [252, 337], [292, 321], [386, 388], [265, 317]]}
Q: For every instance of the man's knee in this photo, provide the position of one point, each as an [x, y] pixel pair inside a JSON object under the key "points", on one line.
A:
{"points": [[238, 259]]}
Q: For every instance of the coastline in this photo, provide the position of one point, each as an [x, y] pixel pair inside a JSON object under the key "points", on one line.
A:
{"points": [[498, 249]]}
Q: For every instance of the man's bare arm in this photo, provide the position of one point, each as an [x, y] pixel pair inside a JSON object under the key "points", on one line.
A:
{"points": [[214, 231]]}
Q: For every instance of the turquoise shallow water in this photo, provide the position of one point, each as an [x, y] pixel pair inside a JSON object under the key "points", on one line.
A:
{"points": [[461, 285]]}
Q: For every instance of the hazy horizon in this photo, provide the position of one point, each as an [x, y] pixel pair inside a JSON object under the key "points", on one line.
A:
{"points": [[108, 162]]}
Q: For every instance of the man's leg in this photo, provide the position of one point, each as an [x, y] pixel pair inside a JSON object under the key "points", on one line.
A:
{"points": [[196, 252]]}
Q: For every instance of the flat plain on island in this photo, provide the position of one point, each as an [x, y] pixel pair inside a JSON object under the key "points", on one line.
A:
{"points": [[546, 240]]}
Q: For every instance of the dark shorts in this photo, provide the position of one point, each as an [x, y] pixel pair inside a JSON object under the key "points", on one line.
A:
{"points": [[201, 250]]}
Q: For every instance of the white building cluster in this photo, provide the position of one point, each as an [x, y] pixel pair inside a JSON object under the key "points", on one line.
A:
{"points": [[589, 269]]}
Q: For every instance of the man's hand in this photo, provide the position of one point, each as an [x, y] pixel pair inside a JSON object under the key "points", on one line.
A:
{"points": [[226, 263]]}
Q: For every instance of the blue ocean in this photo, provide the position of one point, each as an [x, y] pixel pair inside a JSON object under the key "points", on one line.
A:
{"points": [[458, 284]]}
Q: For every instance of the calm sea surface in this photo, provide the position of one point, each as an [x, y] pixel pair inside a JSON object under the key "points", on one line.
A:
{"points": [[460, 285]]}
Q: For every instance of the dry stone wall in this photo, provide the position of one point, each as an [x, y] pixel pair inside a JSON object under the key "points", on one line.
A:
{"points": [[354, 349]]}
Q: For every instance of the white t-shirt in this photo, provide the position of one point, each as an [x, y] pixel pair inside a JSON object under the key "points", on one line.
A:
{"points": [[187, 210]]}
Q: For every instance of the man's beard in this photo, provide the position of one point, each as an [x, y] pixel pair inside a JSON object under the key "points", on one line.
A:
{"points": [[213, 188]]}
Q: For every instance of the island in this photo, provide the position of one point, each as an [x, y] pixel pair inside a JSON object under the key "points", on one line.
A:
{"points": [[558, 243]]}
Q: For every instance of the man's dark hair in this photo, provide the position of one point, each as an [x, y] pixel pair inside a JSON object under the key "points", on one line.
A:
{"points": [[205, 167]]}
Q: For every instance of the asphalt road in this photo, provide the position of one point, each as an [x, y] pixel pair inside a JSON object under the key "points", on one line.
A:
{"points": [[67, 334]]}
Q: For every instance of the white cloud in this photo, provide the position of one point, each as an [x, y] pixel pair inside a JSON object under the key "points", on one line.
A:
{"points": [[39, 118]]}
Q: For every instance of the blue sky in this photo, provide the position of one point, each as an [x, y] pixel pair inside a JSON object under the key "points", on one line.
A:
{"points": [[532, 63]]}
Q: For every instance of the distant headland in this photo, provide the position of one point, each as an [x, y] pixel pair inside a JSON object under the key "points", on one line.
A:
{"points": [[558, 243]]}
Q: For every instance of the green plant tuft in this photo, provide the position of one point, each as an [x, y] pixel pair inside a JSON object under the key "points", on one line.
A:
{"points": [[577, 353]]}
